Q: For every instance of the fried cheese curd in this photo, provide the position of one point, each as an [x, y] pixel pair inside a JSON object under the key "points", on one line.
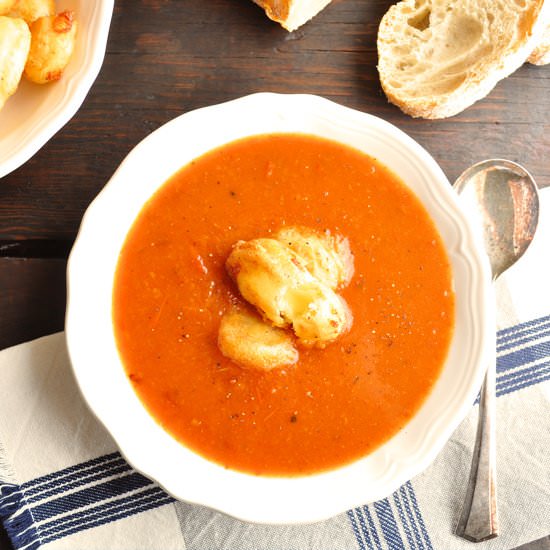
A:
{"points": [[5, 6], [34, 42], [326, 256], [250, 342], [15, 40], [291, 280], [52, 45], [31, 10]]}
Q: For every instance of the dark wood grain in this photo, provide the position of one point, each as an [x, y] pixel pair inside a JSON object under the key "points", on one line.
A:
{"points": [[32, 300], [167, 57]]}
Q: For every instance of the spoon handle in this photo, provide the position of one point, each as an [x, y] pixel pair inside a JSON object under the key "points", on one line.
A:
{"points": [[479, 518]]}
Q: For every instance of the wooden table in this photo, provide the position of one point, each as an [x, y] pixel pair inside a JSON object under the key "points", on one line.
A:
{"points": [[167, 57]]}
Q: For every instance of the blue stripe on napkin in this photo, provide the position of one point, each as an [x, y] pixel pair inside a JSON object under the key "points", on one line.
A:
{"points": [[404, 520], [394, 522], [526, 327], [48, 508], [513, 340], [366, 512], [91, 495], [523, 379], [106, 488], [106, 513], [364, 529], [388, 523], [423, 532], [79, 482], [522, 355], [56, 478]]}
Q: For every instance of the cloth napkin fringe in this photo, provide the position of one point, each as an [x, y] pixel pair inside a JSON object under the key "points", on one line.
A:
{"points": [[17, 518], [10, 499]]}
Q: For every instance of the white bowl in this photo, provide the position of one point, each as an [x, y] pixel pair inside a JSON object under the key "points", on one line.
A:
{"points": [[154, 452], [36, 112]]}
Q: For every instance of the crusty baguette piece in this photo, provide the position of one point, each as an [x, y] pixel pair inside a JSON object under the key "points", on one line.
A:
{"points": [[437, 57], [291, 14], [541, 54]]}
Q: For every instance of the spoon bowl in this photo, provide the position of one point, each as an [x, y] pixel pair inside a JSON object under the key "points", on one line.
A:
{"points": [[501, 201]]}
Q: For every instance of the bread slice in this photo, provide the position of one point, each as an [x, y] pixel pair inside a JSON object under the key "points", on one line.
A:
{"points": [[437, 57], [541, 54], [291, 14]]}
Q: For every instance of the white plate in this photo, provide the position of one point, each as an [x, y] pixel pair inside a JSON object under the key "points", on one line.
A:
{"points": [[36, 112], [103, 381]]}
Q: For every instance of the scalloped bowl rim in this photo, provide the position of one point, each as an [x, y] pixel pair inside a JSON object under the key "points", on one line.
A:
{"points": [[154, 452], [42, 110]]}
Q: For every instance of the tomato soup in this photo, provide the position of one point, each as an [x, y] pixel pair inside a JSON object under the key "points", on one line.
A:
{"points": [[334, 405]]}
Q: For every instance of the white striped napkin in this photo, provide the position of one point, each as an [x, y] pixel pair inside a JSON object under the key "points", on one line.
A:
{"points": [[64, 485]]}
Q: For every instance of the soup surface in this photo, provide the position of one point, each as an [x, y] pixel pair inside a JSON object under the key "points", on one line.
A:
{"points": [[335, 405]]}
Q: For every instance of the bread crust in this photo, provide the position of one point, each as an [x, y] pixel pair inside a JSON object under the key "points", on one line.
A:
{"points": [[291, 14], [425, 66]]}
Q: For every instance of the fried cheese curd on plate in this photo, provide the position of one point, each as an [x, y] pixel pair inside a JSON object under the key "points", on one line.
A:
{"points": [[5, 6], [33, 42], [15, 40], [52, 45], [31, 10]]}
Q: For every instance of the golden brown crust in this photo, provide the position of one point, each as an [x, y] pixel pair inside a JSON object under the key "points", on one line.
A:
{"points": [[276, 280], [263, 270], [277, 10], [52, 45], [291, 14], [31, 10], [247, 340], [6, 6], [327, 257]]}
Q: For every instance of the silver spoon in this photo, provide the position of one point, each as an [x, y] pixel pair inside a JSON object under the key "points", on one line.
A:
{"points": [[501, 200]]}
